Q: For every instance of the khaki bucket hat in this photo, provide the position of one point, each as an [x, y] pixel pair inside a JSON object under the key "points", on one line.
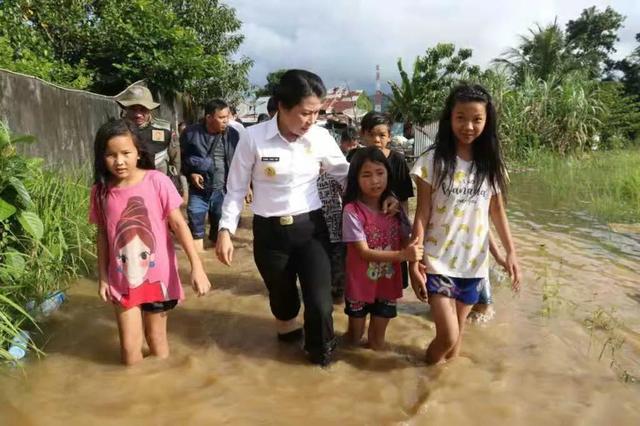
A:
{"points": [[137, 95]]}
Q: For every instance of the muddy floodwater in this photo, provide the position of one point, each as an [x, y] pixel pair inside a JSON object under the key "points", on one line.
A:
{"points": [[565, 351]]}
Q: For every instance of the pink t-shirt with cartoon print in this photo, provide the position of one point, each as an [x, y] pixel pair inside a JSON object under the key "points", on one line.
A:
{"points": [[142, 264], [368, 281]]}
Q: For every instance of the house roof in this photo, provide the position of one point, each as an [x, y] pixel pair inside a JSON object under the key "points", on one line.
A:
{"points": [[339, 99]]}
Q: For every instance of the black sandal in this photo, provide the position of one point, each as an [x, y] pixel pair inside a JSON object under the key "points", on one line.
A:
{"points": [[292, 336]]}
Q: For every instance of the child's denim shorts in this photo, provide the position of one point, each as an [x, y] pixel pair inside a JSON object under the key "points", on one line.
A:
{"points": [[464, 290]]}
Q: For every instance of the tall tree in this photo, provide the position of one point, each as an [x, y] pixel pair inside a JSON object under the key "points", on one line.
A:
{"points": [[591, 39], [630, 68], [541, 55], [419, 97], [216, 27], [549, 52], [141, 39], [174, 45], [28, 47], [273, 78]]}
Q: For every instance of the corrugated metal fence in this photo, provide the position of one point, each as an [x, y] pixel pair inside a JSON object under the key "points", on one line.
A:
{"points": [[424, 136]]}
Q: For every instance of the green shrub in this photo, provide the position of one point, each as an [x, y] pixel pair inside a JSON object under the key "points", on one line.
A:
{"points": [[45, 238]]}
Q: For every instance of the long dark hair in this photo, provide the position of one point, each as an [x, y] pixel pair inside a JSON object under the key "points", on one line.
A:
{"points": [[487, 157], [101, 175], [375, 155], [111, 129]]}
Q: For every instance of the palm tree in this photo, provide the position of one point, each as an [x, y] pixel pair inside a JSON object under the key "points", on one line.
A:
{"points": [[401, 99], [541, 55]]}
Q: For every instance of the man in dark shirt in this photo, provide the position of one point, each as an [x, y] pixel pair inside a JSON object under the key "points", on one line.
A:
{"points": [[207, 149]]}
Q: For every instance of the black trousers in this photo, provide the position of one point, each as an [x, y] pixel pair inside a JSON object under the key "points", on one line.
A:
{"points": [[284, 252]]}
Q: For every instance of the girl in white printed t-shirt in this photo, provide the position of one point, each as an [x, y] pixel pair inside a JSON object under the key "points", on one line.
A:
{"points": [[460, 182]]}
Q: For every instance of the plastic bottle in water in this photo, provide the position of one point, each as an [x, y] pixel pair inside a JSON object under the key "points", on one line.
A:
{"points": [[51, 303], [19, 345]]}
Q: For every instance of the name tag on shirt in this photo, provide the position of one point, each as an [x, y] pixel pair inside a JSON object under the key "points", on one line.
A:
{"points": [[270, 159], [157, 135]]}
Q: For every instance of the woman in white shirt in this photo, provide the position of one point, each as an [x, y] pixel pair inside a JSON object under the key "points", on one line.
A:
{"points": [[282, 159]]}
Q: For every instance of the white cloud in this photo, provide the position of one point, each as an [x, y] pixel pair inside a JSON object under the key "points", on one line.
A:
{"points": [[343, 40]]}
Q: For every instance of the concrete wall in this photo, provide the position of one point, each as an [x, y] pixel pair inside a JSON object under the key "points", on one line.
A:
{"points": [[64, 121]]}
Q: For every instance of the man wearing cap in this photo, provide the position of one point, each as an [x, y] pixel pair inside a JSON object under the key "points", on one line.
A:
{"points": [[156, 134]]}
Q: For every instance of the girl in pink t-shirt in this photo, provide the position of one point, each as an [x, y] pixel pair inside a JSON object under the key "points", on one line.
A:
{"points": [[134, 206], [375, 244]]}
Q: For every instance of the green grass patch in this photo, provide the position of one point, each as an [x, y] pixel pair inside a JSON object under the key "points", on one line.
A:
{"points": [[605, 184], [31, 267]]}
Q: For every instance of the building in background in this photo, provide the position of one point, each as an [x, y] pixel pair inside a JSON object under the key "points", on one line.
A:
{"points": [[250, 109], [345, 106]]}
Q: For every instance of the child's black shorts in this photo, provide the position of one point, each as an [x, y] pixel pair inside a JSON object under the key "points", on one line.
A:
{"points": [[379, 308], [157, 307]]}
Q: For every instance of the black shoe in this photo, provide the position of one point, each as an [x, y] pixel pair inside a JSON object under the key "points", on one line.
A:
{"points": [[292, 336], [324, 357]]}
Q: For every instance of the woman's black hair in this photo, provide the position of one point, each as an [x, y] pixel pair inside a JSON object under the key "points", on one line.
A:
{"points": [[296, 85], [111, 129], [375, 155], [373, 119], [487, 157], [272, 105]]}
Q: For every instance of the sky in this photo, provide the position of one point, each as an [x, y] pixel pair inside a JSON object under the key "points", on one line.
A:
{"points": [[344, 40]]}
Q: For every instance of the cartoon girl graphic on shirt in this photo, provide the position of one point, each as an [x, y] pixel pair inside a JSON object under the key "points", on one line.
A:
{"points": [[134, 250]]}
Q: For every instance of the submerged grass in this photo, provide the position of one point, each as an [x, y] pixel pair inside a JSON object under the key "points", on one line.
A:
{"points": [[606, 331], [604, 184], [608, 328]]}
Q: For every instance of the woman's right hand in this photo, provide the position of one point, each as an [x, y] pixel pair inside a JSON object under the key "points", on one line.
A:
{"points": [[417, 272], [103, 291], [224, 247]]}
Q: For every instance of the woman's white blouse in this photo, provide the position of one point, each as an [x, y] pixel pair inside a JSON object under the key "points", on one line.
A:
{"points": [[284, 174]]}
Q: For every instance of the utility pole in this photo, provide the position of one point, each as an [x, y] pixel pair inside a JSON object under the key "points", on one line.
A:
{"points": [[377, 107], [353, 105]]}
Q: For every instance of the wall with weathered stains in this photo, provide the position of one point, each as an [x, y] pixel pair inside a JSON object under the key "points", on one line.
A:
{"points": [[64, 121]]}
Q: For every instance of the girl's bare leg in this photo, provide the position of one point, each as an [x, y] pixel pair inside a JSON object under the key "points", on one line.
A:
{"points": [[462, 311], [443, 310], [131, 334], [355, 330], [155, 329], [377, 330]]}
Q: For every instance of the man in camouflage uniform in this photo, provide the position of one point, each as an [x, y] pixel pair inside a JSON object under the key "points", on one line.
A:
{"points": [[155, 134]]}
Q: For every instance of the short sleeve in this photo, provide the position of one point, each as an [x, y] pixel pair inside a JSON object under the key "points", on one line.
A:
{"points": [[94, 206], [170, 199], [423, 167], [403, 187], [352, 226], [333, 161]]}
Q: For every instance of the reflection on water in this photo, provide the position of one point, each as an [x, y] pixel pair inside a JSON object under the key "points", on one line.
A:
{"points": [[226, 366]]}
